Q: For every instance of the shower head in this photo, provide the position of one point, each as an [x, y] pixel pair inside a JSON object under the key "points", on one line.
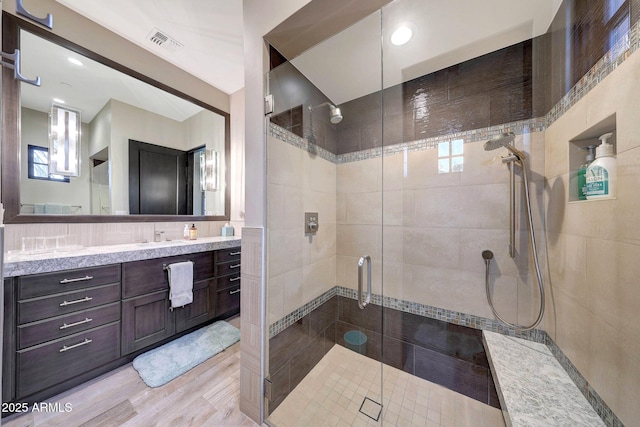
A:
{"points": [[335, 115], [504, 140], [487, 255]]}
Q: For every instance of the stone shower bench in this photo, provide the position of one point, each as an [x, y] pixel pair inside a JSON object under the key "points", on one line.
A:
{"points": [[533, 388]]}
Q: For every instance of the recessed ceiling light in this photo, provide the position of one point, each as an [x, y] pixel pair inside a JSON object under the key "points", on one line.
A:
{"points": [[401, 35], [58, 100], [75, 61]]}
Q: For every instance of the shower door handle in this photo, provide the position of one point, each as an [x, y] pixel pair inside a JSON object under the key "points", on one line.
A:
{"points": [[362, 302]]}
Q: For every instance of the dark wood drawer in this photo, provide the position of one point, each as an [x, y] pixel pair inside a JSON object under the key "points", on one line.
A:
{"points": [[56, 305], [144, 277], [46, 365], [228, 255], [228, 300], [228, 281], [226, 268], [62, 326], [69, 280]]}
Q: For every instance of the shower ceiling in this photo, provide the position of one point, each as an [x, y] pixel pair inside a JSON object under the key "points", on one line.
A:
{"points": [[211, 34]]}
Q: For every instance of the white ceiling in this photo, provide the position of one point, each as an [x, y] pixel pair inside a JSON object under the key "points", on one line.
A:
{"points": [[88, 87], [209, 30], [445, 33], [344, 67]]}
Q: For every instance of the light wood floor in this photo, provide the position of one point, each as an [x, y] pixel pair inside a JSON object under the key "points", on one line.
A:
{"points": [[208, 395]]}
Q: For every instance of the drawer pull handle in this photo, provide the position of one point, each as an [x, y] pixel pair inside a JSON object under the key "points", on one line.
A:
{"points": [[70, 325], [234, 279], [65, 348], [234, 292], [234, 266], [77, 279], [66, 303], [235, 253]]}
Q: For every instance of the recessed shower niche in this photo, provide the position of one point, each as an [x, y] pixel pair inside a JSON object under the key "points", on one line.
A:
{"points": [[582, 152]]}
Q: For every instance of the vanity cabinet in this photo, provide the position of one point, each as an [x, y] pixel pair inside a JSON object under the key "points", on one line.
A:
{"points": [[146, 309], [227, 295], [66, 323], [66, 327]]}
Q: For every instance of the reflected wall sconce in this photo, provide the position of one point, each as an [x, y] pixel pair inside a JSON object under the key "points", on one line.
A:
{"points": [[64, 141], [210, 170]]}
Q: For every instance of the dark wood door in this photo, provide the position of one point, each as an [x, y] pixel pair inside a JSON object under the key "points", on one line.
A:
{"points": [[157, 179]]}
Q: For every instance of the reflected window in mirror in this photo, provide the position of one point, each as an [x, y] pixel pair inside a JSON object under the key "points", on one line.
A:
{"points": [[38, 164]]}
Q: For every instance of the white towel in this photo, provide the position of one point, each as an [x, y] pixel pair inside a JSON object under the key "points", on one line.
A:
{"points": [[180, 283]]}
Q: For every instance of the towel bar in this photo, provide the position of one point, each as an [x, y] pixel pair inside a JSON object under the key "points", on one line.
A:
{"points": [[166, 267]]}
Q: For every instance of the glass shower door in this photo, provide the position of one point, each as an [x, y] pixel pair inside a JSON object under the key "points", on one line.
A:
{"points": [[324, 231]]}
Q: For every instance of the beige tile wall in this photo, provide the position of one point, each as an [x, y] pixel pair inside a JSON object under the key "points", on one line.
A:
{"points": [[594, 248], [300, 267], [437, 225]]}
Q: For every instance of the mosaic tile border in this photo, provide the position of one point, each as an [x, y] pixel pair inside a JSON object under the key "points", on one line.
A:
{"points": [[482, 134], [289, 137], [623, 48], [449, 316], [291, 318]]}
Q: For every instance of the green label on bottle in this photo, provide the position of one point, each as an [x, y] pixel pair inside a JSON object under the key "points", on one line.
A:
{"points": [[597, 181], [582, 184]]}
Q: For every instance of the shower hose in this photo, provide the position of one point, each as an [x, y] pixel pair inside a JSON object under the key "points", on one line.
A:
{"points": [[532, 240]]}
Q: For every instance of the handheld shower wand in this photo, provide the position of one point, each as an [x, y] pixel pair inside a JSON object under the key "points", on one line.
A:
{"points": [[506, 140]]}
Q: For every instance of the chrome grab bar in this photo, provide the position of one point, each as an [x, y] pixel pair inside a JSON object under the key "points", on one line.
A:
{"points": [[363, 303]]}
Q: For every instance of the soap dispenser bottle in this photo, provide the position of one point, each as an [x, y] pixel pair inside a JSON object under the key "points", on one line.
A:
{"points": [[601, 174], [582, 172], [193, 232]]}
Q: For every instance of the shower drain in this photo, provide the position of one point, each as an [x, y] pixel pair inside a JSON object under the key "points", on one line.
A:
{"points": [[371, 408]]}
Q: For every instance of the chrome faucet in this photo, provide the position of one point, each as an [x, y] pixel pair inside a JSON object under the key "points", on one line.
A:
{"points": [[157, 236]]}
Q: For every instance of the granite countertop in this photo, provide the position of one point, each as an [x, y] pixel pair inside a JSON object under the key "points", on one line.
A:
{"points": [[20, 264], [533, 387]]}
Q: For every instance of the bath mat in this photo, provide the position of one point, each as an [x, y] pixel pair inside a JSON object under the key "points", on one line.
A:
{"points": [[160, 365]]}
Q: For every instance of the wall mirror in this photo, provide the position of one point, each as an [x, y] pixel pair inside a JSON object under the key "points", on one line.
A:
{"points": [[180, 173]]}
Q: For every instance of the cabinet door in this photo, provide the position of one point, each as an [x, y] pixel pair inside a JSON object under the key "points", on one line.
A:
{"points": [[146, 320], [198, 311]]}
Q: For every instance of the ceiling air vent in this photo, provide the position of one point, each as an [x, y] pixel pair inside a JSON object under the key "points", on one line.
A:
{"points": [[162, 39]]}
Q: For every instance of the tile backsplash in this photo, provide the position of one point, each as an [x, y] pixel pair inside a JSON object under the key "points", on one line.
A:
{"points": [[112, 233]]}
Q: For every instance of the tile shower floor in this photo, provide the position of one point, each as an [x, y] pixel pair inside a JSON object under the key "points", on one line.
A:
{"points": [[343, 390]]}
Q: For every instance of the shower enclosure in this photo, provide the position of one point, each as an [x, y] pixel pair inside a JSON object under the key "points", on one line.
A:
{"points": [[382, 144]]}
